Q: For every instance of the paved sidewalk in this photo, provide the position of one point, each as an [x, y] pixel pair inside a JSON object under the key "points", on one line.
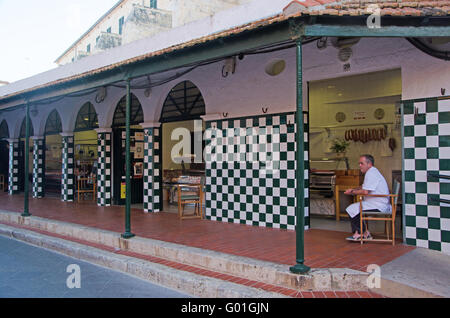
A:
{"points": [[423, 269], [403, 277], [402, 267], [27, 271], [194, 280], [323, 248]]}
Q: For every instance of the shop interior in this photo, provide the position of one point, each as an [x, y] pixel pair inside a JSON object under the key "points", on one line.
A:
{"points": [[350, 116], [53, 155], [86, 153], [136, 153], [21, 156], [181, 121], [4, 156]]}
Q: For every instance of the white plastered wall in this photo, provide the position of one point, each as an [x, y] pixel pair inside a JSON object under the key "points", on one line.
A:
{"points": [[245, 92]]}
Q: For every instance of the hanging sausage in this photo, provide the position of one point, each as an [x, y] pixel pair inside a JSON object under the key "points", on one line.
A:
{"points": [[347, 136], [383, 133]]}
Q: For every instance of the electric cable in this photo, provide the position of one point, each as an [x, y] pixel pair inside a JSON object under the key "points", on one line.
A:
{"points": [[263, 50], [443, 55]]}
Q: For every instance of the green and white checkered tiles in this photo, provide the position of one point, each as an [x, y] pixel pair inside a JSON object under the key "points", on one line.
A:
{"points": [[250, 171], [426, 154]]}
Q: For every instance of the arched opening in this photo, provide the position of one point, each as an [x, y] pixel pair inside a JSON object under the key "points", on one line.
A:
{"points": [[184, 102], [53, 154], [85, 138], [182, 107], [4, 154], [23, 153], [136, 149]]}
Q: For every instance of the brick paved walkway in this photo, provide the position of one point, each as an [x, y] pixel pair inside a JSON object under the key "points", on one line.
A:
{"points": [[323, 248]]}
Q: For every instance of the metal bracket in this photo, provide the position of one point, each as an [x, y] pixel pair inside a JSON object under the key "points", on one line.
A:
{"points": [[437, 175], [296, 29]]}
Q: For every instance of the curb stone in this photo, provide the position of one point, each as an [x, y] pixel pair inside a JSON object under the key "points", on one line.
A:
{"points": [[193, 284], [331, 279], [320, 279]]}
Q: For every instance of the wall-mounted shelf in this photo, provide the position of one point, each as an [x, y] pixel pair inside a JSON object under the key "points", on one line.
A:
{"points": [[351, 125]]}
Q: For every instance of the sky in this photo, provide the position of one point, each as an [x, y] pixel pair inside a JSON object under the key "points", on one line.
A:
{"points": [[35, 33]]}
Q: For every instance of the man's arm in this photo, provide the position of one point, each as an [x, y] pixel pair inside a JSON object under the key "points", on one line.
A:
{"points": [[356, 192]]}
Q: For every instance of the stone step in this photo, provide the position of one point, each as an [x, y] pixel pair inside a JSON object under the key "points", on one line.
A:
{"points": [[332, 279], [183, 281]]}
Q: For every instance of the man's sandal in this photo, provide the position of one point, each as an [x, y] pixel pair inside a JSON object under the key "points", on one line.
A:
{"points": [[368, 237]]}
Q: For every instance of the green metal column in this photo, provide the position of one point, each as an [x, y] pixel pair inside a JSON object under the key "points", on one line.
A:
{"points": [[128, 233], [300, 268], [27, 160]]}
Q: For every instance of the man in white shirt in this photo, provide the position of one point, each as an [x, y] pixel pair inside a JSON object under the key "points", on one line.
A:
{"points": [[374, 183]]}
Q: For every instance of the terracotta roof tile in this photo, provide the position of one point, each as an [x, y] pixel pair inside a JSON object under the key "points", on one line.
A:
{"points": [[310, 3], [361, 7], [390, 4], [325, 1], [411, 4]]}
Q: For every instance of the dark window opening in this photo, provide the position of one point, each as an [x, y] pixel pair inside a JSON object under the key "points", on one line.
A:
{"points": [[136, 113], [87, 118], [53, 125], [184, 102]]}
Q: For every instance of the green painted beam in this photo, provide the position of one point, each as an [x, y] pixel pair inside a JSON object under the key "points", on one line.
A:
{"points": [[383, 31], [221, 48]]}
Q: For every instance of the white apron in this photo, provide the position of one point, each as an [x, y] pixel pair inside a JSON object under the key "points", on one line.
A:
{"points": [[353, 209]]}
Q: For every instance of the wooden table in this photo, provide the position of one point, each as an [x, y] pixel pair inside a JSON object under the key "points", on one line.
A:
{"points": [[343, 183], [337, 189]]}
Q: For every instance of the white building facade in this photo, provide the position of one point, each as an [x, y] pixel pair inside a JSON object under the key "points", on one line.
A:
{"points": [[243, 91], [131, 20]]}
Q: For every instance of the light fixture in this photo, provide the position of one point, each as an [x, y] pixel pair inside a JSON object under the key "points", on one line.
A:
{"points": [[229, 66], [344, 45], [275, 67], [101, 95], [345, 54], [34, 111], [322, 43], [148, 90]]}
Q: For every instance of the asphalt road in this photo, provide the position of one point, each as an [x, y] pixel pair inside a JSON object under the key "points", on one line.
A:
{"points": [[27, 271]]}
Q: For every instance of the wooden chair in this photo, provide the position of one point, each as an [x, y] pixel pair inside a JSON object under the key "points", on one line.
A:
{"points": [[376, 215], [196, 198], [86, 185]]}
